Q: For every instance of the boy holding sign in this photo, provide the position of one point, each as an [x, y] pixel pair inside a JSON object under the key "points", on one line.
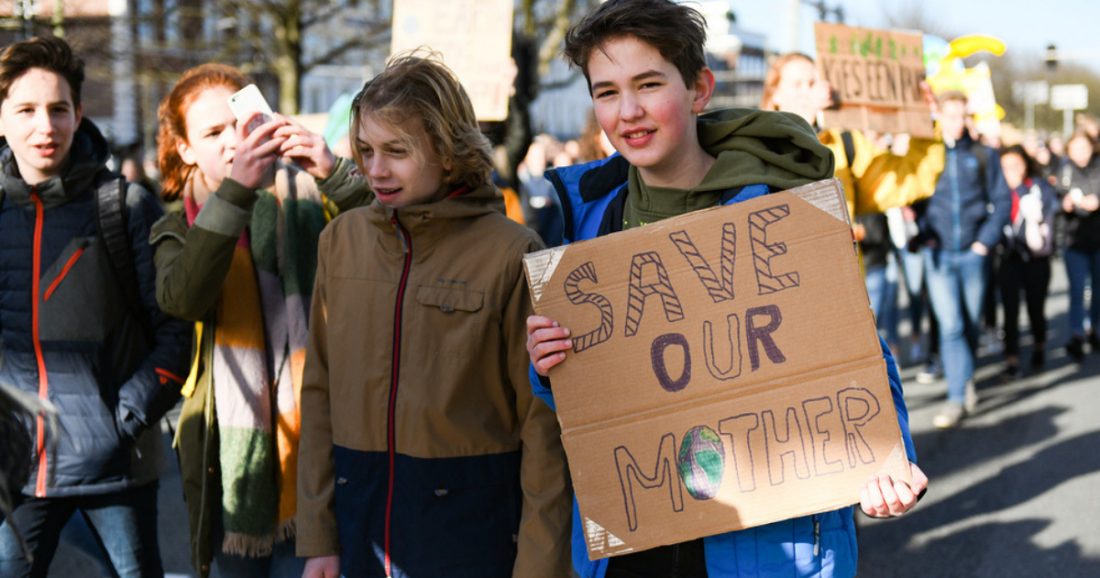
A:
{"points": [[647, 74]]}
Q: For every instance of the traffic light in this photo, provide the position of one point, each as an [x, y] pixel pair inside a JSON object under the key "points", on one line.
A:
{"points": [[1052, 57]]}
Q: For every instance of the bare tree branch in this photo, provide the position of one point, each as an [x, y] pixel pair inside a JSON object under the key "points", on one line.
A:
{"points": [[555, 36], [277, 8], [340, 50], [527, 9], [321, 14], [912, 16]]}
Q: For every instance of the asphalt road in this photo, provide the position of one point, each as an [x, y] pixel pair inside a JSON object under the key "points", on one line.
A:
{"points": [[1015, 491]]}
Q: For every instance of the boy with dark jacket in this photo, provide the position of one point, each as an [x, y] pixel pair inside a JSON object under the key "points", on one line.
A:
{"points": [[70, 336], [962, 224], [644, 63]]}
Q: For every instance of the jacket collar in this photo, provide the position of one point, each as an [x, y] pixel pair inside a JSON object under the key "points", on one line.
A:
{"points": [[429, 225], [88, 156], [421, 219], [965, 142]]}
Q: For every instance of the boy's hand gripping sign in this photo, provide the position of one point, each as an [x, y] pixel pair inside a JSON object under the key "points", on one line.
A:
{"points": [[725, 371]]}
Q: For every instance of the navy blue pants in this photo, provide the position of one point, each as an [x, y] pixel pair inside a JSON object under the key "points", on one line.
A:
{"points": [[683, 560]]}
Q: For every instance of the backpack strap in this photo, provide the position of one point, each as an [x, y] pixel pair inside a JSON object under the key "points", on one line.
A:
{"points": [[111, 215], [982, 154], [849, 146]]}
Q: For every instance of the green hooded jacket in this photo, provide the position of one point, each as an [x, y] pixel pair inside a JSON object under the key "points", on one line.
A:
{"points": [[750, 146]]}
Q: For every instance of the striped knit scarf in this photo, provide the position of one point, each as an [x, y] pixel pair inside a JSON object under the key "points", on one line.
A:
{"points": [[259, 352]]}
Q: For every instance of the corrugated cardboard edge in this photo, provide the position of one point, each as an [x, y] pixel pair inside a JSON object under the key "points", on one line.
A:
{"points": [[899, 455], [600, 540], [539, 267], [827, 195]]}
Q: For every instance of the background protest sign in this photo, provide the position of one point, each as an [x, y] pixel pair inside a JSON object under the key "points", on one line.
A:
{"points": [[725, 372], [981, 101], [474, 38], [876, 75]]}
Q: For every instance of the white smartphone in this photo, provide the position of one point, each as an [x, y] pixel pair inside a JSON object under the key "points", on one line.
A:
{"points": [[247, 101]]}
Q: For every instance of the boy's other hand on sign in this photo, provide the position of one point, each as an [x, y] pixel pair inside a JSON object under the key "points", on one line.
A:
{"points": [[547, 343], [883, 496]]}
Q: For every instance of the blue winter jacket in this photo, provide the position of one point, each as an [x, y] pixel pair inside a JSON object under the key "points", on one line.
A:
{"points": [[971, 202], [110, 367], [822, 545]]}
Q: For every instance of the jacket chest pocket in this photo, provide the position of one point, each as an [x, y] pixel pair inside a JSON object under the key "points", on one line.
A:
{"points": [[449, 299], [78, 299], [452, 318]]}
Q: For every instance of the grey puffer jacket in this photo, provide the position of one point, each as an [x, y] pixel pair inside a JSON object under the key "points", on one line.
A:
{"points": [[111, 368]]}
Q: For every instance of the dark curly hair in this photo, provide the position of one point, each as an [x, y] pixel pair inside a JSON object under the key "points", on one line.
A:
{"points": [[52, 54], [677, 31]]}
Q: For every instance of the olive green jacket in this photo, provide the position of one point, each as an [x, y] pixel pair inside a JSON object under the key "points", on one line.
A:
{"points": [[192, 263]]}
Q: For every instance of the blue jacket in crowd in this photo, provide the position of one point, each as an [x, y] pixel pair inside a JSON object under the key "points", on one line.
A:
{"points": [[971, 202], [822, 545]]}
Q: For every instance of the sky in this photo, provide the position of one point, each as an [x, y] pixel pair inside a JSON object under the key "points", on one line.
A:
{"points": [[1026, 26]]}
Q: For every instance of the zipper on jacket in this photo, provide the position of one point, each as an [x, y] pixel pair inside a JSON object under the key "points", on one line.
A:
{"points": [[64, 272], [817, 536], [956, 209], [43, 378], [391, 430]]}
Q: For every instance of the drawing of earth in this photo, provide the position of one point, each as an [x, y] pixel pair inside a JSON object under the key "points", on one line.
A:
{"points": [[701, 462]]}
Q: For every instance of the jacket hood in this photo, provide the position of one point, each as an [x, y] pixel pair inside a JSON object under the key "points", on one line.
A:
{"points": [[88, 156], [433, 224], [458, 205], [778, 149]]}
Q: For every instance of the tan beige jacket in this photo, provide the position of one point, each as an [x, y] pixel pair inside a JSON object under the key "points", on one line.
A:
{"points": [[422, 445]]}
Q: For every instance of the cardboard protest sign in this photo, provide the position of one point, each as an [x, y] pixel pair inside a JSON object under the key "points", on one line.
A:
{"points": [[474, 38], [725, 371], [876, 75]]}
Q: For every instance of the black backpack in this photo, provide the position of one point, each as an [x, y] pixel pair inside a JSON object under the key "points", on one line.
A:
{"points": [[111, 217]]}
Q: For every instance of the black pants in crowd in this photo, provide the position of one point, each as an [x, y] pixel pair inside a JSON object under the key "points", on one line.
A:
{"points": [[1032, 277]]}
